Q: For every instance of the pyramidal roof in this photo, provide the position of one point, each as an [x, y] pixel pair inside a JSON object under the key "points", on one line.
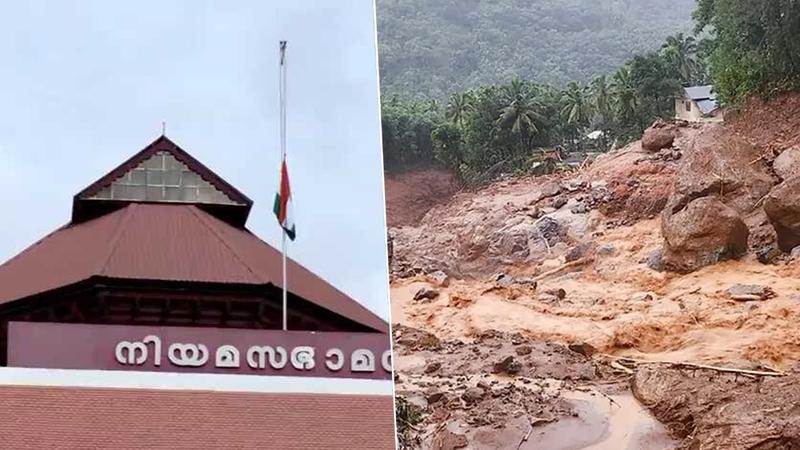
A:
{"points": [[162, 172], [129, 225]]}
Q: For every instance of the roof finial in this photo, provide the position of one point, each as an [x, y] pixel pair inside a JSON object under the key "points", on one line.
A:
{"points": [[163, 127]]}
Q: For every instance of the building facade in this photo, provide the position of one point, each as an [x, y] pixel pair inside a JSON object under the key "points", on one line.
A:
{"points": [[153, 319], [698, 104]]}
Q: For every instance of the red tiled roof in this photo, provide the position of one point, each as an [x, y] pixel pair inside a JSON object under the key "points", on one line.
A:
{"points": [[165, 242], [83, 418]]}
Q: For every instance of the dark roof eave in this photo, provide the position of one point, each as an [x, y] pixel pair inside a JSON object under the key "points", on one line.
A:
{"points": [[98, 281]]}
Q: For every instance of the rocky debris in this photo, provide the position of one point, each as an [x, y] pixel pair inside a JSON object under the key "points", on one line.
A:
{"points": [[558, 202], [583, 348], [505, 280], [580, 251], [705, 232], [782, 206], [606, 250], [523, 350], [795, 254], [642, 297], [750, 292], [507, 365], [787, 164], [440, 278], [579, 208], [414, 339], [660, 135], [433, 367], [655, 260], [447, 440], [767, 254], [426, 293], [669, 154], [550, 189], [558, 293], [721, 164], [473, 395], [723, 411]]}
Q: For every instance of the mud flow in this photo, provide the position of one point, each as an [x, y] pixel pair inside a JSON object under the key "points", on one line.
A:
{"points": [[646, 300]]}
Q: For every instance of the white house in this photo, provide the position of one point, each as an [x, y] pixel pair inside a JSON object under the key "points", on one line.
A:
{"points": [[698, 104]]}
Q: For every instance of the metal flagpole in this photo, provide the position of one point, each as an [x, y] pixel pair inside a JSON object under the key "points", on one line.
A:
{"points": [[282, 81]]}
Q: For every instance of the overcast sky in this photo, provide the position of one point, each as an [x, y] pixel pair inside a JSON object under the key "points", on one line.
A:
{"points": [[85, 84]]}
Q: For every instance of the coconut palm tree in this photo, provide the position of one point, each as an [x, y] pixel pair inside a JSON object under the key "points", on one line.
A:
{"points": [[522, 113], [682, 52], [624, 93], [576, 109], [459, 107], [601, 101]]}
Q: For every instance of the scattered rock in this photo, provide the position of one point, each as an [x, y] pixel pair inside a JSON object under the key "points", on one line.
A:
{"points": [[414, 338], [426, 293], [782, 206], [473, 395], [642, 297], [658, 136], [795, 254], [506, 280], [435, 397], [523, 350], [705, 232], [558, 202], [433, 367], [583, 348], [507, 365], [606, 250], [440, 278], [767, 254], [579, 251], [550, 189], [447, 440], [750, 292], [579, 208], [787, 164], [719, 163], [655, 260], [557, 293]]}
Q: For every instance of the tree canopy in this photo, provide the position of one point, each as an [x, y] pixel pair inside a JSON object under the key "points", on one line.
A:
{"points": [[434, 48]]}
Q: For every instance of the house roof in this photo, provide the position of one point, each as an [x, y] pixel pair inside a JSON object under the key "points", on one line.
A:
{"points": [[165, 242], [108, 189], [704, 96], [699, 92], [81, 418]]}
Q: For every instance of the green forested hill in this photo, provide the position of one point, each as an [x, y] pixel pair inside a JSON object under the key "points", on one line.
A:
{"points": [[432, 48]]}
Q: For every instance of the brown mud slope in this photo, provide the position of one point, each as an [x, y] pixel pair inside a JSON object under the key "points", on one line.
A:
{"points": [[578, 258], [410, 195]]}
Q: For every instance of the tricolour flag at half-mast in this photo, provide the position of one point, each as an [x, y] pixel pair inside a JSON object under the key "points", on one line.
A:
{"points": [[283, 203]]}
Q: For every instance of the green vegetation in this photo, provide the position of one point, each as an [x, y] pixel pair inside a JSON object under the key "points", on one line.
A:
{"points": [[526, 127], [485, 126], [434, 48], [407, 417], [755, 47]]}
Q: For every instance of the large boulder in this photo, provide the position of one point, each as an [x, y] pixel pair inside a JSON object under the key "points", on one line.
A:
{"points": [[782, 206], [723, 165], [660, 135], [787, 164], [703, 233]]}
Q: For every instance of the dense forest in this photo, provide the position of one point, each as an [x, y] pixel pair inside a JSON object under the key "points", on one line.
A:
{"points": [[525, 125], [433, 48]]}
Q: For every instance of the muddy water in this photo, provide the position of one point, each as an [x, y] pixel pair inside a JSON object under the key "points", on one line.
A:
{"points": [[598, 424]]}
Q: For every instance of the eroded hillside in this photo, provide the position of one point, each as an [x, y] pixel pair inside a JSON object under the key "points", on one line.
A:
{"points": [[645, 267]]}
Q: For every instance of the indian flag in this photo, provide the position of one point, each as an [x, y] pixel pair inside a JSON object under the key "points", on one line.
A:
{"points": [[283, 204]]}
